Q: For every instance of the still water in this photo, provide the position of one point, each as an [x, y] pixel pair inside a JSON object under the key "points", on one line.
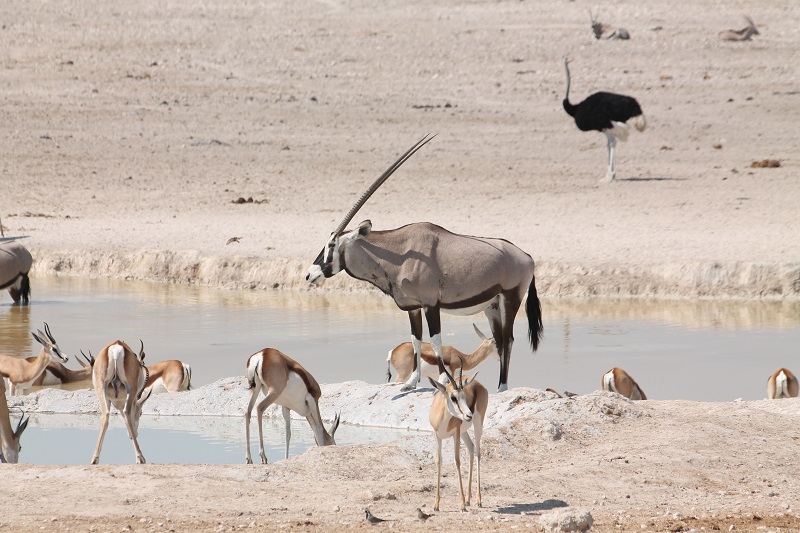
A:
{"points": [[691, 350]]}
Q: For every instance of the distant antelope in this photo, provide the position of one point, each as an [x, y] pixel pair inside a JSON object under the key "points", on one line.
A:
{"points": [[606, 31], [119, 378], [782, 384], [403, 360], [58, 374], [15, 263], [169, 376], [617, 380], [22, 373], [9, 438], [285, 382], [454, 409], [428, 269], [740, 35]]}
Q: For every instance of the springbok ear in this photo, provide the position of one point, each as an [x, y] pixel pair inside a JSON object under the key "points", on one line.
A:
{"points": [[335, 425], [479, 332], [38, 338], [437, 385], [145, 395], [364, 228], [469, 379], [20, 428]]}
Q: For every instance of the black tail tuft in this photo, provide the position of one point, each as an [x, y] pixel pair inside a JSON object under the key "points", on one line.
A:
{"points": [[533, 308], [25, 289]]}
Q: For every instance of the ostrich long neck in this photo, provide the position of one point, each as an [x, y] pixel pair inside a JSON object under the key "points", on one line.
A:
{"points": [[568, 107]]}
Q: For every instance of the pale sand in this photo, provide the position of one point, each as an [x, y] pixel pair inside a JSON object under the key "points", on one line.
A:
{"points": [[129, 128]]}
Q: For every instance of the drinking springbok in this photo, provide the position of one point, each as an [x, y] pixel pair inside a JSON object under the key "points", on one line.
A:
{"points": [[119, 377], [9, 438], [455, 408], [58, 374], [22, 373], [619, 381], [782, 384], [169, 376], [402, 358], [428, 269], [285, 382], [15, 263]]}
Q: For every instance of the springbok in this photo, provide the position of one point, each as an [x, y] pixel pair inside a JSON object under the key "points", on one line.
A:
{"points": [[740, 35], [9, 438], [58, 374], [782, 384], [619, 381], [455, 408], [402, 358], [285, 382], [606, 31], [15, 263], [22, 373], [169, 376], [119, 377], [426, 268]]}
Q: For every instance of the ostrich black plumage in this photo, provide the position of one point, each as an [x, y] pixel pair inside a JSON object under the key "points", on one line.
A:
{"points": [[607, 113]]}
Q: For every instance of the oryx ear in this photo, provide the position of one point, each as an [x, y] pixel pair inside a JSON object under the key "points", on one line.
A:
{"points": [[364, 228]]}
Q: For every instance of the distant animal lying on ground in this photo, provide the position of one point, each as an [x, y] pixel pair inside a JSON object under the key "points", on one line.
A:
{"points": [[285, 382], [782, 384], [58, 374], [15, 263], [456, 407], [169, 376], [745, 34], [606, 31], [619, 381], [9, 438], [119, 378], [21, 372], [403, 360]]}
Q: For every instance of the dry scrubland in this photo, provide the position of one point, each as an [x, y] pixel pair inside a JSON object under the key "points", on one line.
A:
{"points": [[130, 129]]}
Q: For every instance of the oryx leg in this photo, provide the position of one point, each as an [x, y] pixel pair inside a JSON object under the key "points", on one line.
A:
{"points": [[415, 317], [495, 316], [433, 317], [509, 306], [127, 414], [287, 428]]}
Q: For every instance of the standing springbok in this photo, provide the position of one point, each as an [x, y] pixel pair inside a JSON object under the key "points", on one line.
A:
{"points": [[402, 358], [619, 381], [740, 35], [455, 408], [58, 374], [285, 382], [22, 373], [119, 377], [782, 384], [15, 263], [606, 31], [428, 269], [169, 376], [9, 438]]}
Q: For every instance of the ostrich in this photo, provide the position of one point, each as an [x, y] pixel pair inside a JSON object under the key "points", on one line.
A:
{"points": [[607, 113]]}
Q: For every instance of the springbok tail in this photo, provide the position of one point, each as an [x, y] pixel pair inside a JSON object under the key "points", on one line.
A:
{"points": [[253, 369], [187, 377], [639, 122], [608, 382], [533, 308], [781, 386], [389, 367]]}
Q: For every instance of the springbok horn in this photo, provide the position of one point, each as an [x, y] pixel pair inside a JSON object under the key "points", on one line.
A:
{"points": [[461, 374], [374, 187], [89, 359], [450, 378], [49, 335]]}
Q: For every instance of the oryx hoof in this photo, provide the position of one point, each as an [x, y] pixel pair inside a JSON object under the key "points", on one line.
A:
{"points": [[140, 460], [407, 387], [248, 461], [94, 461], [502, 388]]}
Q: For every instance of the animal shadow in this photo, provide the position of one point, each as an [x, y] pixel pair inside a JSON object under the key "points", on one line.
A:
{"points": [[530, 508], [412, 391], [650, 179]]}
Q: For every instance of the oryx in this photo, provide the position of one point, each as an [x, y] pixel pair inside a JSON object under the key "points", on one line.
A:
{"points": [[429, 269], [15, 263]]}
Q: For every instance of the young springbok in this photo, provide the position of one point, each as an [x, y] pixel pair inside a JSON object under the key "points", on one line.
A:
{"points": [[22, 373], [286, 383], [455, 408], [782, 384], [169, 376], [619, 381], [9, 438], [58, 374], [740, 35], [119, 377], [404, 362], [606, 31]]}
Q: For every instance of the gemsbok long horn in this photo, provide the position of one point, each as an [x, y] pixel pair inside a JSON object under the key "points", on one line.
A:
{"points": [[374, 187]]}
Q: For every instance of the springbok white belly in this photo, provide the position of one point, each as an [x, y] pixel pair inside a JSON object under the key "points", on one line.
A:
{"points": [[159, 387], [294, 395]]}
